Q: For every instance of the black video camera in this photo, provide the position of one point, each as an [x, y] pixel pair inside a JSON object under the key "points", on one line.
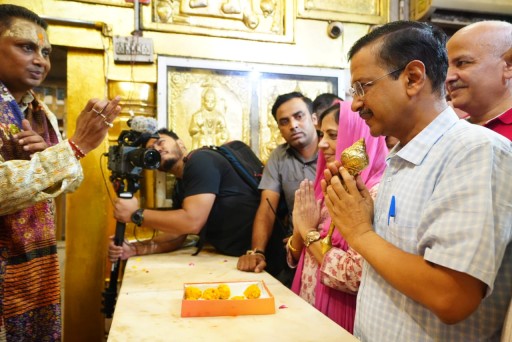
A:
{"points": [[128, 158], [126, 161]]}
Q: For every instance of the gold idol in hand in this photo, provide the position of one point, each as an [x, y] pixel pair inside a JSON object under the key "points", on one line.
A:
{"points": [[354, 159]]}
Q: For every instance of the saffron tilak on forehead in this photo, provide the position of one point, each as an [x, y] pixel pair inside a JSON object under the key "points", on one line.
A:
{"points": [[40, 39], [20, 30]]}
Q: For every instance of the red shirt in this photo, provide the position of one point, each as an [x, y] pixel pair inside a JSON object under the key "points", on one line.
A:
{"points": [[502, 124]]}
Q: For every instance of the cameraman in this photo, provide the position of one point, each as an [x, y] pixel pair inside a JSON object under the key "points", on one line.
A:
{"points": [[211, 201]]}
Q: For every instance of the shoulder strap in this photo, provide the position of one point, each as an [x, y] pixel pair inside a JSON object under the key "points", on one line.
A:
{"points": [[244, 161]]}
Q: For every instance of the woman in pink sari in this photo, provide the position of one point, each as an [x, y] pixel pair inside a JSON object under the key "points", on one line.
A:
{"points": [[330, 282]]}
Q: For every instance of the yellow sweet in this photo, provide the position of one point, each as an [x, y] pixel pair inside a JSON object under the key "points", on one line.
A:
{"points": [[210, 293], [224, 291], [237, 298], [192, 293], [252, 291]]}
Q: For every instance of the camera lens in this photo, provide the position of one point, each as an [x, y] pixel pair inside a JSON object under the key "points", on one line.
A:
{"points": [[151, 159], [147, 158]]}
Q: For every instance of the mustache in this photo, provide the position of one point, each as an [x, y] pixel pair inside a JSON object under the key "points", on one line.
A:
{"points": [[36, 69], [365, 114], [455, 85]]}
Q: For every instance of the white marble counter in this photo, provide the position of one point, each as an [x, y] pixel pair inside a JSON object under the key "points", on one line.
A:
{"points": [[149, 305]]}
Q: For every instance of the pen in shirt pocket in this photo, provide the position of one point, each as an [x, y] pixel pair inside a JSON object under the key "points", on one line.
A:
{"points": [[392, 210]]}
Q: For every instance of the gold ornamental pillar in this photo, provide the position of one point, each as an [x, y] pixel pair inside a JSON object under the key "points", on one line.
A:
{"points": [[89, 219], [88, 211]]}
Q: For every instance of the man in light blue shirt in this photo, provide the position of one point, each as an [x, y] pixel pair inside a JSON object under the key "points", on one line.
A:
{"points": [[437, 242]]}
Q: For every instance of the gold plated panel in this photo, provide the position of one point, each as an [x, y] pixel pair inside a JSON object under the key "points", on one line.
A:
{"points": [[188, 97], [358, 11], [266, 20]]}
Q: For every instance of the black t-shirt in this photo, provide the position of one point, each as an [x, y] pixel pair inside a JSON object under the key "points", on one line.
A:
{"points": [[229, 225]]}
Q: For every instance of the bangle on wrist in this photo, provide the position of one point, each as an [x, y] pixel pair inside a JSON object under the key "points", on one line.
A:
{"points": [[293, 249], [79, 153]]}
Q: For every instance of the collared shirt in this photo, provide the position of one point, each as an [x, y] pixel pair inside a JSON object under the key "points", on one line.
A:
{"points": [[25, 102], [284, 171], [453, 198], [502, 124]]}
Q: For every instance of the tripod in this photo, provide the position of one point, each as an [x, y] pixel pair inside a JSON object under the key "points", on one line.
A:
{"points": [[125, 188]]}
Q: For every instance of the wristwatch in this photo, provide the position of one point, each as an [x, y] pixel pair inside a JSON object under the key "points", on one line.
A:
{"points": [[311, 236], [256, 251], [138, 217]]}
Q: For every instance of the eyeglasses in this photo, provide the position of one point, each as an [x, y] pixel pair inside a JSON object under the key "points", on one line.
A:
{"points": [[357, 88]]}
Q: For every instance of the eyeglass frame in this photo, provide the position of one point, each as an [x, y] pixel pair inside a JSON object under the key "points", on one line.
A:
{"points": [[352, 91]]}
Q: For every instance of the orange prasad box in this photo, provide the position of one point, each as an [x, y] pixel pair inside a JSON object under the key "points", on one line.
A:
{"points": [[263, 305]]}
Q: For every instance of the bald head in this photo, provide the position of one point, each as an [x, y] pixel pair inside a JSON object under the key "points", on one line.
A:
{"points": [[494, 36], [479, 77]]}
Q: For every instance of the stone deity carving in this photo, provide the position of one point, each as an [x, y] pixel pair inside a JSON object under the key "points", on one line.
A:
{"points": [[164, 11], [208, 125]]}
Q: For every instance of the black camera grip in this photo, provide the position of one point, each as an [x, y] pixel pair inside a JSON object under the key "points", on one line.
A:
{"points": [[110, 293]]}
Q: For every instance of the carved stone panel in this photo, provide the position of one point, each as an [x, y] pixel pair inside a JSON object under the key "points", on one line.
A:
{"points": [[267, 20], [208, 108]]}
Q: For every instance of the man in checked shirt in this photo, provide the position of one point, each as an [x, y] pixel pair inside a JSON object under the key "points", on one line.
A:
{"points": [[439, 266]]}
